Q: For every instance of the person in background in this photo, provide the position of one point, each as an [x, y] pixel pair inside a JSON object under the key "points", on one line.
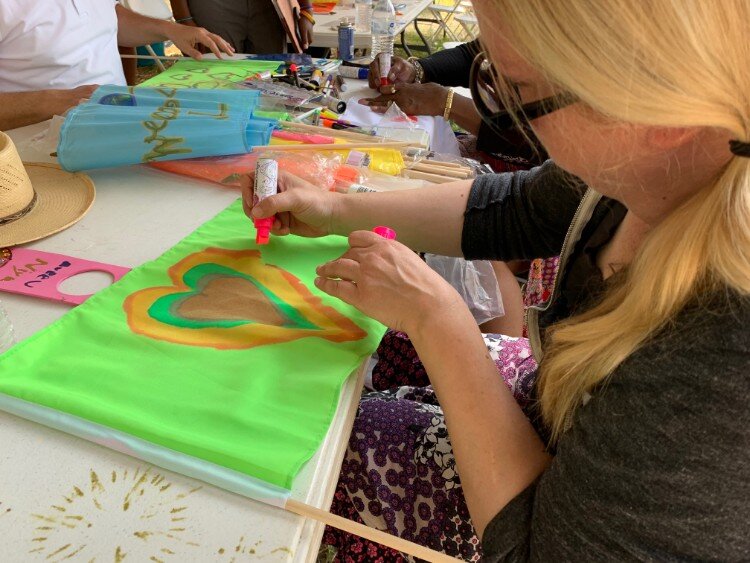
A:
{"points": [[250, 26], [635, 445], [421, 87], [53, 53]]}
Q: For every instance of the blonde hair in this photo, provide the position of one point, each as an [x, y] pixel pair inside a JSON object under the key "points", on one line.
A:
{"points": [[676, 63]]}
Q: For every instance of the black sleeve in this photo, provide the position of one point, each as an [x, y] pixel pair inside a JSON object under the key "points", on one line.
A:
{"points": [[451, 67], [520, 215], [656, 466]]}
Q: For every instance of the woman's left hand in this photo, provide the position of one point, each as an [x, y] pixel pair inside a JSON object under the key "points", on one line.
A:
{"points": [[413, 99], [388, 282], [188, 37], [305, 27]]}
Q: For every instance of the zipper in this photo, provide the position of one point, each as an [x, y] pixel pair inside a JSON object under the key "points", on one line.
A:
{"points": [[580, 219]]}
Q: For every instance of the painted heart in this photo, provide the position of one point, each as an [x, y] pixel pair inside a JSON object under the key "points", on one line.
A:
{"points": [[230, 299]]}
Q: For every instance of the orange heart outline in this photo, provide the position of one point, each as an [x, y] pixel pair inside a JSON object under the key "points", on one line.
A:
{"points": [[333, 326]]}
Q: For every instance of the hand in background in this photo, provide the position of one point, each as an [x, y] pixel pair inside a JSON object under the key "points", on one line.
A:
{"points": [[413, 99], [305, 28], [402, 72], [188, 39]]}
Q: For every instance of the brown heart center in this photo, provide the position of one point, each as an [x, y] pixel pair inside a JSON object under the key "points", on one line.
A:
{"points": [[230, 298]]}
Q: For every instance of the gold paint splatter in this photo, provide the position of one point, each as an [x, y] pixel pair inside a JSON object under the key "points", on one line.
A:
{"points": [[178, 519], [119, 555], [176, 529], [165, 487], [167, 551], [78, 492], [193, 543], [37, 549], [284, 549], [74, 517], [60, 508], [180, 509], [221, 551], [156, 559], [114, 476], [138, 483], [74, 553], [96, 485], [143, 535], [39, 539], [44, 528], [63, 548]]}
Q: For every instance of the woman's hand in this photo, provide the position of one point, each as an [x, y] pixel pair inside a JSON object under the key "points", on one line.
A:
{"points": [[413, 99], [402, 72], [389, 282], [300, 208], [305, 28], [187, 38]]}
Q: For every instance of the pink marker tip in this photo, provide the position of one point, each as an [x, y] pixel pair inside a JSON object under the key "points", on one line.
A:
{"points": [[263, 230], [385, 232]]}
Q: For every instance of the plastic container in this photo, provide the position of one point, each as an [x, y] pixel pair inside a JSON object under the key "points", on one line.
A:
{"points": [[383, 27], [363, 15]]}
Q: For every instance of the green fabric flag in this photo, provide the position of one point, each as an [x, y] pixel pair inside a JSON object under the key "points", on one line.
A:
{"points": [[217, 349], [210, 74]]}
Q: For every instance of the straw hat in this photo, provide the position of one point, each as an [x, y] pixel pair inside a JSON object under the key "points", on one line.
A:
{"points": [[37, 200]]}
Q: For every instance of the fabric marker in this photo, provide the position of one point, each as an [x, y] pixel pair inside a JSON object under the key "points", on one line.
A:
{"points": [[354, 72], [384, 64], [317, 77], [266, 185], [295, 74], [385, 232]]}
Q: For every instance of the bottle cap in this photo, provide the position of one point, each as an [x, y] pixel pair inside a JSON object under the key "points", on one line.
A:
{"points": [[385, 232]]}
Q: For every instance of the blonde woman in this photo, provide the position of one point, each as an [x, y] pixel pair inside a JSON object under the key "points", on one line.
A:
{"points": [[644, 355]]}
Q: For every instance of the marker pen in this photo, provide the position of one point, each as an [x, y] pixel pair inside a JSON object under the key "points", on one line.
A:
{"points": [[384, 64], [266, 185]]}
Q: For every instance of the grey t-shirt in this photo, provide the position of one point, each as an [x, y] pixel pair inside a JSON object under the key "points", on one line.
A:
{"points": [[656, 466]]}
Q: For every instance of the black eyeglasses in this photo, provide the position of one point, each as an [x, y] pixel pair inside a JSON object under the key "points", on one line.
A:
{"points": [[514, 134]]}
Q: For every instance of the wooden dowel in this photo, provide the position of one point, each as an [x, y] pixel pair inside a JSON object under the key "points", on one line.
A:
{"points": [[441, 164], [383, 538], [452, 172], [435, 178], [344, 134], [329, 147], [444, 164]]}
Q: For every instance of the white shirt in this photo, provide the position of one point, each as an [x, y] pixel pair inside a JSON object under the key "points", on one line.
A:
{"points": [[58, 44]]}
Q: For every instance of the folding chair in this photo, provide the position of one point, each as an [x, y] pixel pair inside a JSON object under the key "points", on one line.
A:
{"points": [[470, 25], [442, 15], [157, 9]]}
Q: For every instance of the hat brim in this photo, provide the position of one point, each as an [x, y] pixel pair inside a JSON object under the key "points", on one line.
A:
{"points": [[63, 198]]}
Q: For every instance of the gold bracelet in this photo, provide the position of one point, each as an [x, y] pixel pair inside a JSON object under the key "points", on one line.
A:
{"points": [[448, 105], [308, 15]]}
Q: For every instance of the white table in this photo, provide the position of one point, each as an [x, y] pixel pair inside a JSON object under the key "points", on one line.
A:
{"points": [[62, 494], [326, 26]]}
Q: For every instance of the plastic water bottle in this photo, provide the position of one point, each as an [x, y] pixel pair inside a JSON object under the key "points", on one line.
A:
{"points": [[383, 27], [363, 15], [7, 336]]}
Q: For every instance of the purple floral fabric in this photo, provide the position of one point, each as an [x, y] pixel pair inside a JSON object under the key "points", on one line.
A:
{"points": [[399, 472]]}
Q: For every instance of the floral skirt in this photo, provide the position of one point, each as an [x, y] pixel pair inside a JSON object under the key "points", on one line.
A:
{"points": [[399, 471]]}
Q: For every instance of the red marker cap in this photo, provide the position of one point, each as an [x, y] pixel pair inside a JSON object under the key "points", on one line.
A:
{"points": [[263, 230], [385, 232], [293, 67]]}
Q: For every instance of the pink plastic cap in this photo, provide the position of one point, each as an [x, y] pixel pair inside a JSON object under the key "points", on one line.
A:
{"points": [[263, 230], [385, 232]]}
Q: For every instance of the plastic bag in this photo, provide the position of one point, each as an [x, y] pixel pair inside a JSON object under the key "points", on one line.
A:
{"points": [[475, 281]]}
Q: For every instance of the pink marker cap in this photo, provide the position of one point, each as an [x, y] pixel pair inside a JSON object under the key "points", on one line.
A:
{"points": [[385, 232], [263, 230]]}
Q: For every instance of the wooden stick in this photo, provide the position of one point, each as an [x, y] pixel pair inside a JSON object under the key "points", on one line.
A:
{"points": [[441, 164], [168, 58], [344, 134], [452, 172], [329, 147], [444, 164], [383, 538], [435, 178]]}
